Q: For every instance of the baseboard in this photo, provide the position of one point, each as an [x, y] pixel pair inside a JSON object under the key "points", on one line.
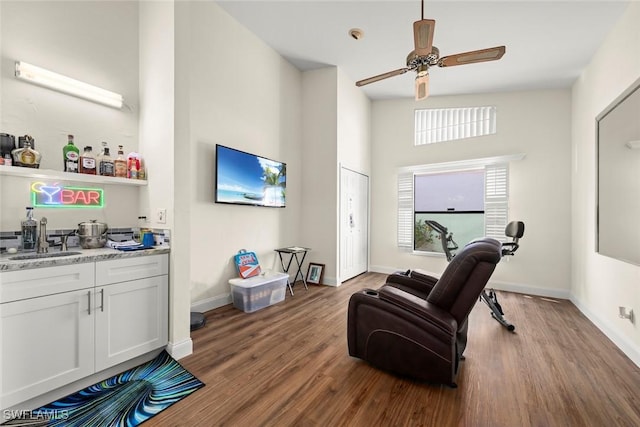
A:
{"points": [[180, 349], [329, 281], [496, 284], [211, 303], [384, 269], [625, 345], [529, 290]]}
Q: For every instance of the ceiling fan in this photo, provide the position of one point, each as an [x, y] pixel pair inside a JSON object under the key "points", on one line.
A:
{"points": [[425, 55]]}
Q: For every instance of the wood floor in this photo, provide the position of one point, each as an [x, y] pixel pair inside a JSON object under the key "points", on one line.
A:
{"points": [[288, 365]]}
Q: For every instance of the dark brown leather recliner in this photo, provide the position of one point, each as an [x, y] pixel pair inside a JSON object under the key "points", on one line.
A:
{"points": [[414, 332]]}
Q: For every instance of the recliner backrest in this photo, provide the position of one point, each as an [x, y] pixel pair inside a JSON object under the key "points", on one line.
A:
{"points": [[464, 278]]}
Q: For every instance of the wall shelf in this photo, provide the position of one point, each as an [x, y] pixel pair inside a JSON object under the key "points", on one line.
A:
{"points": [[50, 174]]}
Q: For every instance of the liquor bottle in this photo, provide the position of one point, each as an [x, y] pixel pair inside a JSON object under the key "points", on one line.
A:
{"points": [[142, 170], [120, 164], [71, 155], [26, 156], [99, 156], [29, 227], [88, 161], [106, 164]]}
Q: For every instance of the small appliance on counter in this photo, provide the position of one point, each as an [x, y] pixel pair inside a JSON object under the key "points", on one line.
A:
{"points": [[92, 234]]}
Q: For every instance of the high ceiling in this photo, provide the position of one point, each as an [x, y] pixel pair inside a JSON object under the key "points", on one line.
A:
{"points": [[548, 42]]}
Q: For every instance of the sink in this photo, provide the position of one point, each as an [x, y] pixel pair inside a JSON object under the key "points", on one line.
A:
{"points": [[45, 255]]}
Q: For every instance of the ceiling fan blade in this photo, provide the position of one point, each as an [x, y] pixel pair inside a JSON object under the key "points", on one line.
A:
{"points": [[491, 54], [382, 76], [423, 36], [422, 87]]}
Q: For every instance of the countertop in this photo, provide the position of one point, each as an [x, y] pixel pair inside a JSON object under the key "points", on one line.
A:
{"points": [[86, 255]]}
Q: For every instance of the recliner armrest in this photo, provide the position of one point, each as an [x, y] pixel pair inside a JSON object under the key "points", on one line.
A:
{"points": [[420, 307], [416, 287], [423, 277]]}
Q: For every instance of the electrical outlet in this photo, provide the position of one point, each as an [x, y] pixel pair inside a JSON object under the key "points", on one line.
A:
{"points": [[161, 216], [626, 313]]}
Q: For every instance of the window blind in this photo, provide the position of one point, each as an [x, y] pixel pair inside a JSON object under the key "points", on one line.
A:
{"points": [[447, 124], [405, 210], [496, 200]]}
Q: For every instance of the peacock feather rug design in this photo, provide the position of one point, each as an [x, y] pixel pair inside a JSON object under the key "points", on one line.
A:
{"points": [[124, 400]]}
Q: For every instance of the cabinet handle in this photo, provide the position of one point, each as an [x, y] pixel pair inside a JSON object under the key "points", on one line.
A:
{"points": [[102, 300], [89, 301]]}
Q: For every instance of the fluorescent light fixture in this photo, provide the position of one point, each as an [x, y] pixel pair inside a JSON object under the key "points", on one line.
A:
{"points": [[634, 145], [49, 79]]}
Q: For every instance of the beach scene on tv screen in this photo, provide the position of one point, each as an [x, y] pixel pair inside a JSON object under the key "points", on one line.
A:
{"points": [[248, 179]]}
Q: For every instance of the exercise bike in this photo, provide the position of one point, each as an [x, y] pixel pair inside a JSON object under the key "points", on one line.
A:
{"points": [[515, 230]]}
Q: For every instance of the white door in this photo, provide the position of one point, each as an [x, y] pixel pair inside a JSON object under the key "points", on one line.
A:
{"points": [[354, 223], [47, 342]]}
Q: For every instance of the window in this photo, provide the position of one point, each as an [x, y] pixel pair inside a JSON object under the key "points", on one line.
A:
{"points": [[470, 198], [452, 199], [447, 124]]}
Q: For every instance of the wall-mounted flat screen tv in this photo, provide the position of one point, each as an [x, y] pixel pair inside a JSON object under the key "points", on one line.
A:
{"points": [[247, 179]]}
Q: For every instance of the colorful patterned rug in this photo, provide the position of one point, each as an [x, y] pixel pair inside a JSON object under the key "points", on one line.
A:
{"points": [[124, 400]]}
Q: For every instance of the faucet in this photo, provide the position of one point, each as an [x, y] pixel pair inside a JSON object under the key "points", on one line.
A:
{"points": [[43, 245], [62, 243]]}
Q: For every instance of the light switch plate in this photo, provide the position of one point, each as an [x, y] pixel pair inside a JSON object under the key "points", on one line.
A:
{"points": [[161, 216]]}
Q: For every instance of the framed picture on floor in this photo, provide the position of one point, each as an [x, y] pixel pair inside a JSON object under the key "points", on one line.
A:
{"points": [[315, 273]]}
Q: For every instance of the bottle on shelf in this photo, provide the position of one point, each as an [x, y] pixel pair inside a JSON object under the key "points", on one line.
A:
{"points": [[26, 156], [106, 164], [99, 155], [71, 155], [142, 171], [7, 160], [29, 228], [88, 161], [120, 164], [133, 165]]}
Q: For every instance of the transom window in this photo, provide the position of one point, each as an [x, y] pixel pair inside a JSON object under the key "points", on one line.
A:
{"points": [[447, 124]]}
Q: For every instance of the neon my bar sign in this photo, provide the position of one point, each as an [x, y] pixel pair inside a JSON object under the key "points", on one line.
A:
{"points": [[44, 195]]}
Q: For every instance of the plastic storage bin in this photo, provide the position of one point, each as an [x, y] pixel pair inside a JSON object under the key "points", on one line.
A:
{"points": [[258, 292]]}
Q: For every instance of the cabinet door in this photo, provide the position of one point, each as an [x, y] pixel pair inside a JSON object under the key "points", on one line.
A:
{"points": [[47, 342], [131, 319]]}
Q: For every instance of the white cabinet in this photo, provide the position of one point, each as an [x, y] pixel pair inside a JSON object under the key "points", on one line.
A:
{"points": [[132, 308], [46, 331], [61, 324]]}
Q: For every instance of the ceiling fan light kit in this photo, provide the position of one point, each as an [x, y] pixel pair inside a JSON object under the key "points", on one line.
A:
{"points": [[425, 55]]}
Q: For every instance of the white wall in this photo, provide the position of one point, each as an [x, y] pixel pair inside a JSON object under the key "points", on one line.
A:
{"points": [[320, 171], [242, 94], [156, 125], [95, 42], [535, 123], [354, 126], [336, 131], [157, 113], [601, 284]]}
